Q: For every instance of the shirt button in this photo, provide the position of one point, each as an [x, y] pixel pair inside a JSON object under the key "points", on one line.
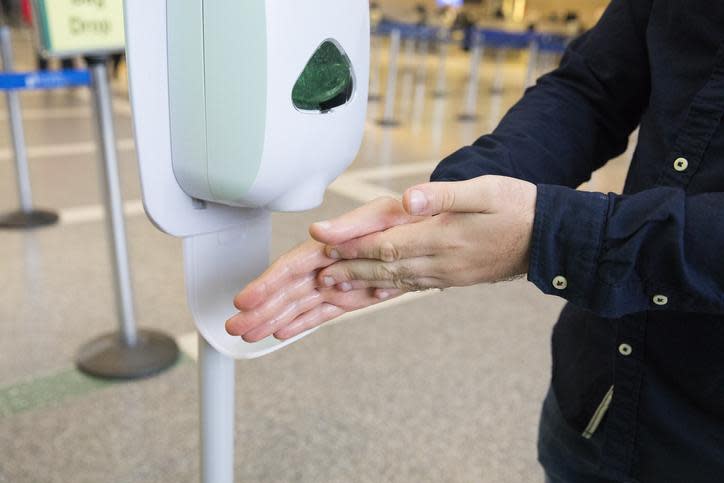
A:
{"points": [[681, 164], [560, 282], [661, 299], [625, 349]]}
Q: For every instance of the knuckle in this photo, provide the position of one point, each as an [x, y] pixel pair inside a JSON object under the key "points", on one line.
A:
{"points": [[385, 271], [388, 252], [404, 279], [448, 199]]}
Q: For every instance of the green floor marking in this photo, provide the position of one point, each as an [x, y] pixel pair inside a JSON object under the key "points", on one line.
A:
{"points": [[52, 389]]}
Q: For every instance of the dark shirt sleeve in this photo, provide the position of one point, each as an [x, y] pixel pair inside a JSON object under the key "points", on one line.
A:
{"points": [[576, 118], [656, 249]]}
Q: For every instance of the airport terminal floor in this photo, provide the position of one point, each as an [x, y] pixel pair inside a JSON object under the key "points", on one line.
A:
{"points": [[432, 387]]}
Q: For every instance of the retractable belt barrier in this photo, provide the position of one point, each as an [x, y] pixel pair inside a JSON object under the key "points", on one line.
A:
{"points": [[128, 353], [540, 45], [44, 80]]}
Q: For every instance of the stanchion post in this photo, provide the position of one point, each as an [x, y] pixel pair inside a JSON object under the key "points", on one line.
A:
{"points": [[470, 112], [114, 202], [375, 65], [532, 67], [499, 77], [216, 383], [422, 51], [409, 52], [27, 216], [443, 47], [128, 353], [388, 117]]}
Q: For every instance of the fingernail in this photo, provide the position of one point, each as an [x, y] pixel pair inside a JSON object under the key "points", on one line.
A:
{"points": [[328, 281], [324, 225], [345, 286], [418, 201], [334, 254], [383, 295]]}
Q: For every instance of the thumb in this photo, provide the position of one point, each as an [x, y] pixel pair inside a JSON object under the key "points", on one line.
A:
{"points": [[471, 196]]}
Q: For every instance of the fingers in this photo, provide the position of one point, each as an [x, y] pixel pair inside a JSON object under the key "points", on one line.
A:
{"points": [[397, 243], [260, 323], [309, 320], [378, 215], [283, 318], [471, 196], [306, 259], [295, 296], [338, 304], [409, 275]]}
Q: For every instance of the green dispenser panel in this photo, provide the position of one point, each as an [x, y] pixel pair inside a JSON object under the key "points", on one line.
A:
{"points": [[326, 82]]}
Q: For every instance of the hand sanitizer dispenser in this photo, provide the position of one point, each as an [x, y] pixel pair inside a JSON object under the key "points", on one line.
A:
{"points": [[241, 107], [267, 99]]}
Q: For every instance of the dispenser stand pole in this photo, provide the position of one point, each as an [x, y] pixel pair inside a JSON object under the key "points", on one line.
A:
{"points": [[216, 387]]}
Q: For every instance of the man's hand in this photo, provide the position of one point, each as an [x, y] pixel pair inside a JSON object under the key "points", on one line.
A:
{"points": [[482, 234], [287, 299]]}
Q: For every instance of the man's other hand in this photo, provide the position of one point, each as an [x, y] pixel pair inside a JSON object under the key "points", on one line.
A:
{"points": [[472, 232]]}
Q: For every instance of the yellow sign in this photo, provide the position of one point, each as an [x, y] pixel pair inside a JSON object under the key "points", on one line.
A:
{"points": [[80, 26]]}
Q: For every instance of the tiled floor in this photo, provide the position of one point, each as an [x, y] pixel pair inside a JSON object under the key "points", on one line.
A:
{"points": [[442, 388]]}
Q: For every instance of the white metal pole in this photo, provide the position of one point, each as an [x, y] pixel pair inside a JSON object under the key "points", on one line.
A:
{"points": [[388, 118], [22, 174], [216, 387], [114, 202], [470, 112]]}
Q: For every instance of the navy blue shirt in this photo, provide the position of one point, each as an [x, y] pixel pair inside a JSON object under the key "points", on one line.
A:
{"points": [[643, 272]]}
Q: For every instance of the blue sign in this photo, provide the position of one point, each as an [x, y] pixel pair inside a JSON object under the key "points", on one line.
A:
{"points": [[44, 80]]}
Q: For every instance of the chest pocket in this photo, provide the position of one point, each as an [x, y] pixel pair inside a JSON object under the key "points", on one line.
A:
{"points": [[702, 120]]}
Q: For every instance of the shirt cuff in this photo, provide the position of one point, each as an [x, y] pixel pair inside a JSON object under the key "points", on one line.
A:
{"points": [[567, 241]]}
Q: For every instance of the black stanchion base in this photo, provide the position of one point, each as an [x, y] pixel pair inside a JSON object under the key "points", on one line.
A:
{"points": [[388, 123], [374, 98], [108, 357], [468, 117], [21, 220]]}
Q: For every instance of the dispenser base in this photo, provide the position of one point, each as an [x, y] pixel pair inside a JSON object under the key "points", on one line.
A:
{"points": [[108, 356]]}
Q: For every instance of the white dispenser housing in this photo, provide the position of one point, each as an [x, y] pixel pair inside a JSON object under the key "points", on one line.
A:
{"points": [[227, 128], [237, 136]]}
